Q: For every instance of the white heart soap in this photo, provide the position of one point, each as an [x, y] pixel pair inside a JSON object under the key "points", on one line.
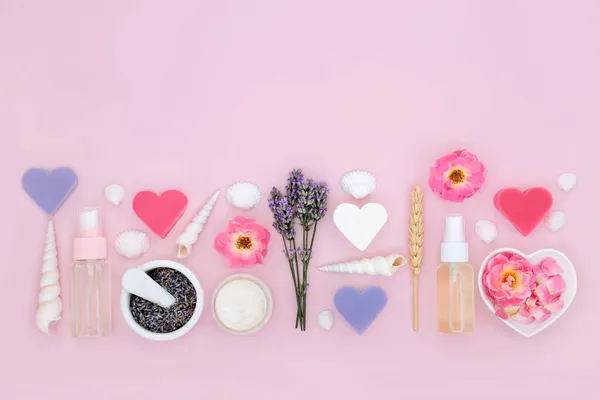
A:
{"points": [[569, 275], [360, 225]]}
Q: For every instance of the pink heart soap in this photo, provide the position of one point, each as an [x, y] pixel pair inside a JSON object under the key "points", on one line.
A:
{"points": [[524, 209], [160, 213]]}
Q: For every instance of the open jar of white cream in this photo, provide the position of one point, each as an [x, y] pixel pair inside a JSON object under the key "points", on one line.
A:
{"points": [[242, 304]]}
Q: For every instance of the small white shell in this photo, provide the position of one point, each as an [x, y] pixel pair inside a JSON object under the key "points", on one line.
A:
{"points": [[114, 194], [243, 195], [359, 184], [325, 319], [555, 220], [132, 244], [567, 181], [486, 231]]}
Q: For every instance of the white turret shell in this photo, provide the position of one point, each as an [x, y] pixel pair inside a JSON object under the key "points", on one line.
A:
{"points": [[193, 229], [386, 266], [132, 244], [243, 195], [359, 184], [49, 302]]}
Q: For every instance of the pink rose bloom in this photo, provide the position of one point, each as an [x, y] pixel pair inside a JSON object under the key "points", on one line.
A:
{"points": [[457, 176], [243, 242], [545, 288], [508, 281]]}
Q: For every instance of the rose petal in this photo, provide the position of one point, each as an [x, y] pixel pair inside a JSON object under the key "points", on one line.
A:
{"points": [[501, 312], [540, 313], [556, 284], [550, 267], [524, 316], [555, 306]]}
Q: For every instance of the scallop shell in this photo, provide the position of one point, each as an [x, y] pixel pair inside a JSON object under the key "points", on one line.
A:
{"points": [[132, 244], [359, 184], [243, 195]]}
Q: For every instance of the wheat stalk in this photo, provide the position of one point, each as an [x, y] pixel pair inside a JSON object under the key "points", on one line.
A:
{"points": [[415, 245]]}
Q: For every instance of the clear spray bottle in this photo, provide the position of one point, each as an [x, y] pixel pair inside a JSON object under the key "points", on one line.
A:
{"points": [[91, 279], [455, 281]]}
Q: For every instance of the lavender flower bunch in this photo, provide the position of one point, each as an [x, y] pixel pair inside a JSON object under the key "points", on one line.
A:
{"points": [[304, 202]]}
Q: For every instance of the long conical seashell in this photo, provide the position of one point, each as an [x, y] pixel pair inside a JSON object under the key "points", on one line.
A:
{"points": [[190, 235], [50, 305], [385, 266]]}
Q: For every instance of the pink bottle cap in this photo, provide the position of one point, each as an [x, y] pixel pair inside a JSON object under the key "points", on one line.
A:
{"points": [[90, 245]]}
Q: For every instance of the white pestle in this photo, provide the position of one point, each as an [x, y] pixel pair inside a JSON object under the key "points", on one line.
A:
{"points": [[137, 282]]}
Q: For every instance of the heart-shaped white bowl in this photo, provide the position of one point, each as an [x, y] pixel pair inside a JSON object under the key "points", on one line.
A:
{"points": [[569, 275]]}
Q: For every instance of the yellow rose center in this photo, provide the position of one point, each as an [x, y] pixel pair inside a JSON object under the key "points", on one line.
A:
{"points": [[509, 277], [243, 243], [457, 176]]}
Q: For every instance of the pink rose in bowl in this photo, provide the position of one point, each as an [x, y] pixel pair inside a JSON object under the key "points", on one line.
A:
{"points": [[243, 243], [523, 292], [457, 176], [508, 281]]}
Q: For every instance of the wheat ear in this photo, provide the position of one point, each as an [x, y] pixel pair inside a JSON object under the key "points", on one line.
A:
{"points": [[415, 245]]}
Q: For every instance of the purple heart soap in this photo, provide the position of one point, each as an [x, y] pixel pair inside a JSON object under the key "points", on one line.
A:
{"points": [[358, 308], [49, 189]]}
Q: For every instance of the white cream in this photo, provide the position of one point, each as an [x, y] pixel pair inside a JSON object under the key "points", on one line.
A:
{"points": [[241, 305]]}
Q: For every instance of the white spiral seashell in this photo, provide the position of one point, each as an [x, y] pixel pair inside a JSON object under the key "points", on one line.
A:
{"points": [[359, 184], [243, 195], [50, 304], [193, 229], [386, 266], [132, 244]]}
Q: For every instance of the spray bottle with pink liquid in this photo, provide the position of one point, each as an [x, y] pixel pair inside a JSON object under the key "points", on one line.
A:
{"points": [[91, 279]]}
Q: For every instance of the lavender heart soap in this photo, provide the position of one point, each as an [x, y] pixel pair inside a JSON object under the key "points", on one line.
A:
{"points": [[49, 189], [360, 308]]}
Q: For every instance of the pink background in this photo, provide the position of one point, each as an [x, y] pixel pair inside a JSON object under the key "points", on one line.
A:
{"points": [[197, 95]]}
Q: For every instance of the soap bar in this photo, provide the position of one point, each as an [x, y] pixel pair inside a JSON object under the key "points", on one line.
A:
{"points": [[358, 308], [525, 210], [160, 213], [49, 189]]}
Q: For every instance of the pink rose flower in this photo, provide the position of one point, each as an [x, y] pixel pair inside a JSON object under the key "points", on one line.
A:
{"points": [[243, 243], [523, 292], [457, 176], [508, 281]]}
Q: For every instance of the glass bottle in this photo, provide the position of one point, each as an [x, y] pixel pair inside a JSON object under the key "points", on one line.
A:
{"points": [[91, 279], [455, 281]]}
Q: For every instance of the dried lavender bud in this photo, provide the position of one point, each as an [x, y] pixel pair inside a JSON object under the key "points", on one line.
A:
{"points": [[294, 182], [157, 319], [283, 214], [319, 201], [306, 204]]}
